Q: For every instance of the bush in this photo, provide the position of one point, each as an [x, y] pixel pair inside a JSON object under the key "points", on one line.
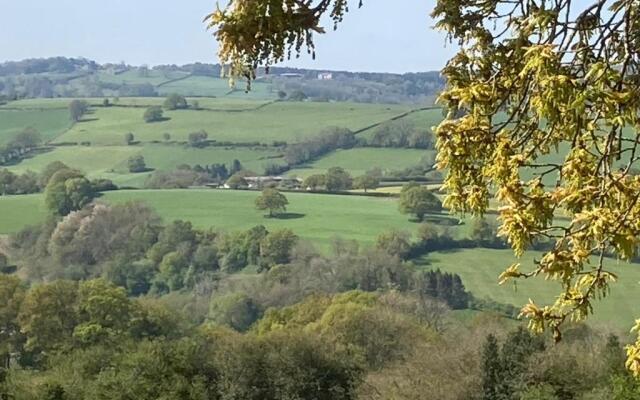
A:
{"points": [[153, 114]]}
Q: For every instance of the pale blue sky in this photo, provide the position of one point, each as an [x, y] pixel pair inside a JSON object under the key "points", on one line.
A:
{"points": [[378, 37]]}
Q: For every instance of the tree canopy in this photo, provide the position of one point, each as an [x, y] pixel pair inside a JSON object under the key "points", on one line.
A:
{"points": [[272, 200]]}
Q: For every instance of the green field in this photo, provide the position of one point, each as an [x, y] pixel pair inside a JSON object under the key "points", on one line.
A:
{"points": [[50, 123], [135, 77], [205, 86], [279, 121], [93, 161], [480, 268], [315, 217], [111, 161], [422, 119], [358, 161], [17, 212]]}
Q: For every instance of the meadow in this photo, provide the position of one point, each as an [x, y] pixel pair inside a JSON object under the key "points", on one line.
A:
{"points": [[49, 122], [18, 212], [111, 161], [286, 121], [315, 217], [480, 268]]}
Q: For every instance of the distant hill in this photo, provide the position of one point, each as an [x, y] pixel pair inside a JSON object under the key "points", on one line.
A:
{"points": [[79, 77]]}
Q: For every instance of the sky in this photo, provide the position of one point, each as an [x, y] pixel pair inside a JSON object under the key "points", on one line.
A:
{"points": [[377, 38]]}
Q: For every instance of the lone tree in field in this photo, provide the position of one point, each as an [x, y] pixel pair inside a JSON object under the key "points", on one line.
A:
{"points": [[153, 114], [77, 108], [136, 164], [418, 200], [175, 102], [198, 139], [366, 182], [542, 102], [272, 200], [129, 138]]}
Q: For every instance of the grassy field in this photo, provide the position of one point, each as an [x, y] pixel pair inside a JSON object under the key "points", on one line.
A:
{"points": [[50, 123], [93, 161], [279, 121], [111, 161], [480, 268], [17, 212], [216, 87], [358, 161], [315, 217], [422, 119], [134, 77]]}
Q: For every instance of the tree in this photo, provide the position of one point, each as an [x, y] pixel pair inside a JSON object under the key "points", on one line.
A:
{"points": [[314, 182], [198, 139], [28, 138], [418, 200], [236, 166], [48, 315], [366, 182], [166, 136], [153, 114], [337, 179], [276, 248], [175, 102], [272, 200], [395, 243], [195, 105], [491, 369], [282, 94], [237, 311], [129, 138], [68, 190], [530, 80], [77, 108], [136, 164], [7, 178], [49, 171], [12, 294]]}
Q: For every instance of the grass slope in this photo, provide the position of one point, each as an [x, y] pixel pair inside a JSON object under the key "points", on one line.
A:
{"points": [[50, 123], [358, 161], [279, 121], [315, 217], [17, 212], [480, 268]]}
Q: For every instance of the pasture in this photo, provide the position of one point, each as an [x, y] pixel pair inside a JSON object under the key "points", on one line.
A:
{"points": [[49, 122], [314, 217], [282, 121], [480, 268], [18, 212], [111, 161]]}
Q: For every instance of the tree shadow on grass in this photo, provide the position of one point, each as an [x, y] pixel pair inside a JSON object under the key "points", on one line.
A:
{"points": [[286, 216], [442, 220], [159, 120], [83, 120]]}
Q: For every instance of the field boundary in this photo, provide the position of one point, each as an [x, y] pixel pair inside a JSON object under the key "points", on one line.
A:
{"points": [[174, 80], [395, 118]]}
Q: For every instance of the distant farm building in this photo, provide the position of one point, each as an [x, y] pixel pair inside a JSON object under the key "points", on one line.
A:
{"points": [[325, 76]]}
